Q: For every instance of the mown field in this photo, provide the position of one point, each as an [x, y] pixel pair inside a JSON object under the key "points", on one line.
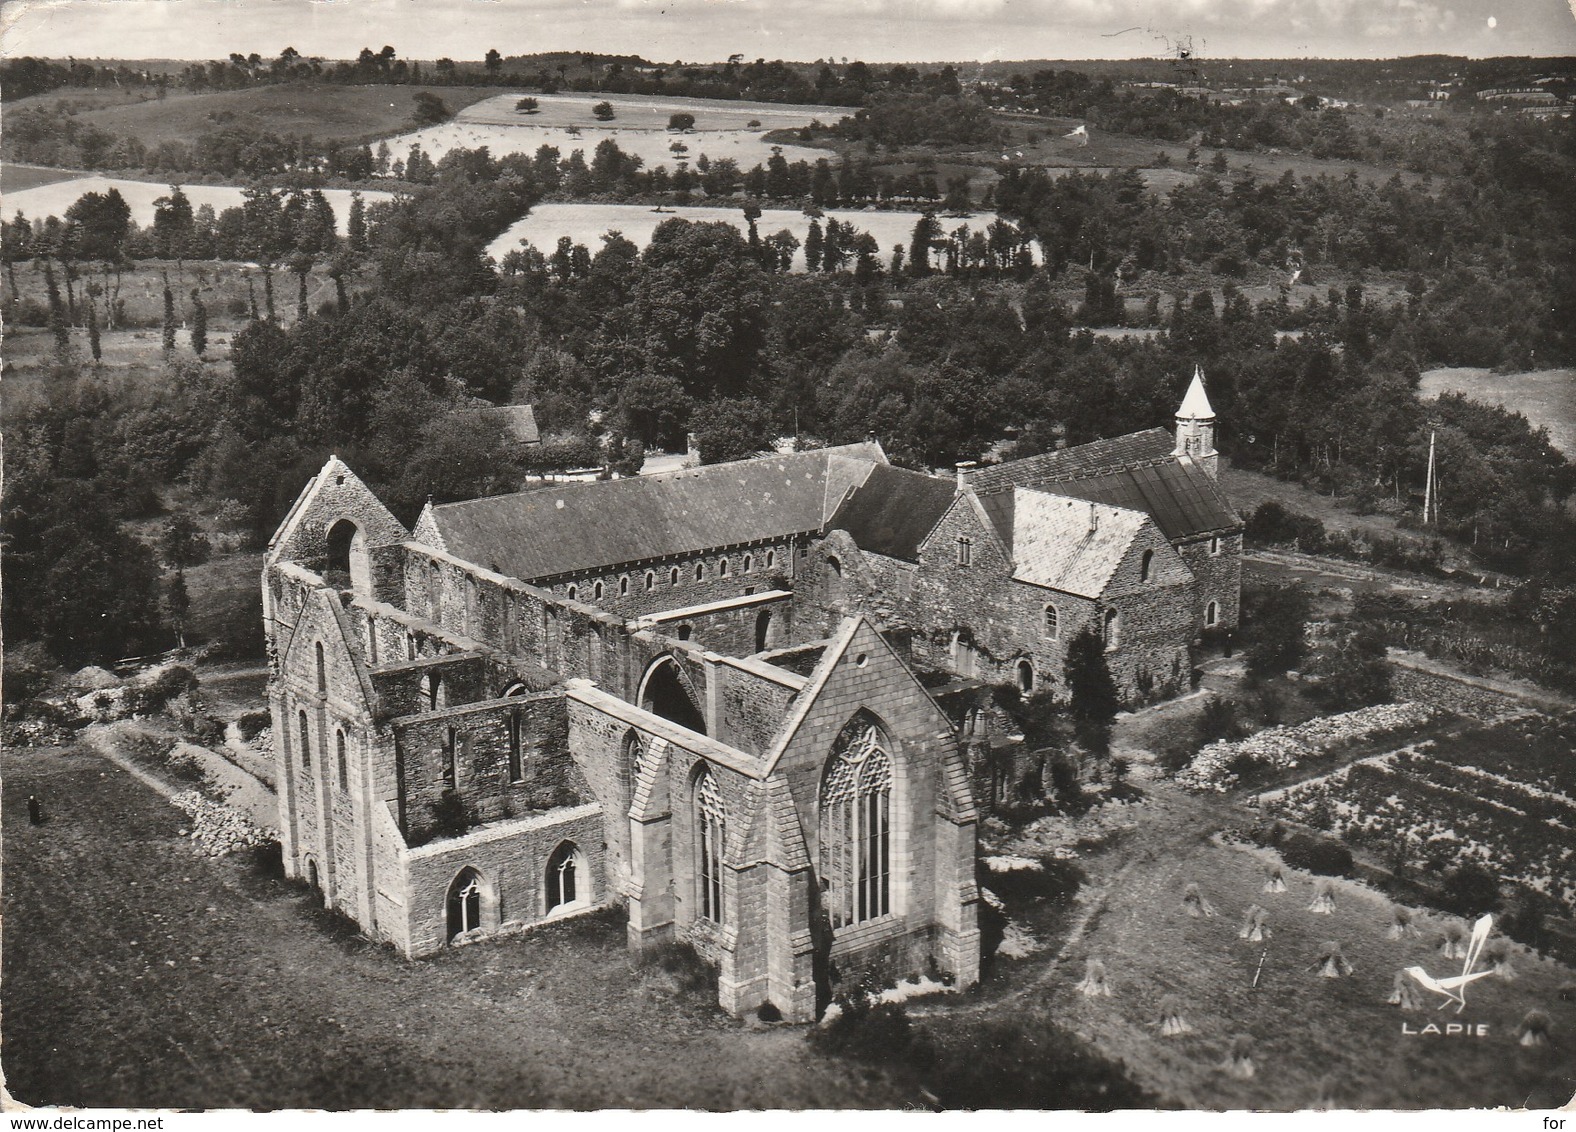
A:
{"points": [[1317, 1042], [16, 178], [139, 974], [586, 223], [322, 111], [1546, 397]]}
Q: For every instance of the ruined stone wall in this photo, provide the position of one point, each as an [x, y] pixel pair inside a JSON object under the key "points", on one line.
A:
{"points": [[512, 860], [480, 740]]}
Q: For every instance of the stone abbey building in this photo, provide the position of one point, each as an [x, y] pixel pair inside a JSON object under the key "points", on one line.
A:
{"points": [[698, 694]]}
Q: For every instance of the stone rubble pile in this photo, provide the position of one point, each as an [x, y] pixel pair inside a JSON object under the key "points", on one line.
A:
{"points": [[216, 830], [1285, 746]]}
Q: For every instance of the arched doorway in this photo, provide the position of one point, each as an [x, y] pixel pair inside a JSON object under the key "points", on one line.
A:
{"points": [[312, 879], [765, 631], [465, 902], [1025, 676], [348, 566], [663, 693], [568, 886]]}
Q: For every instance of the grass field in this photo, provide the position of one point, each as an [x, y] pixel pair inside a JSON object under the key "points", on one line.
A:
{"points": [[138, 974], [585, 224], [1546, 397], [722, 129], [16, 178], [1317, 1042], [52, 199], [324, 112]]}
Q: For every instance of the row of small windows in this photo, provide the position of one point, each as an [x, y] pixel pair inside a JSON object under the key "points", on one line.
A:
{"points": [[599, 589]]}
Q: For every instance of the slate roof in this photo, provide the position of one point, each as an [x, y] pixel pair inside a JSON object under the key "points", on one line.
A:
{"points": [[568, 528], [1136, 471], [1181, 497], [1068, 544], [1082, 459], [893, 510]]}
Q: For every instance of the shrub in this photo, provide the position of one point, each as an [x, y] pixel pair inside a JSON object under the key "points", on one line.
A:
{"points": [[1318, 855], [252, 724], [1469, 890], [1218, 721], [878, 1033], [1031, 1062], [450, 815]]}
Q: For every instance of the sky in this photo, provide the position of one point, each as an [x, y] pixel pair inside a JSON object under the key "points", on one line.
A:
{"points": [[878, 31]]}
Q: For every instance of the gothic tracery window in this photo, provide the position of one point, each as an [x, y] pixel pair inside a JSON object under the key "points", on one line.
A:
{"points": [[711, 822], [856, 826]]}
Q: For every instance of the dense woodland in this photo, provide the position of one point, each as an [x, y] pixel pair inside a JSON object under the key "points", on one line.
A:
{"points": [[941, 347]]}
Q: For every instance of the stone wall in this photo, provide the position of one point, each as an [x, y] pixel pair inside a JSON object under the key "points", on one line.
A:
{"points": [[949, 597], [1218, 573], [480, 739], [641, 588], [511, 859]]}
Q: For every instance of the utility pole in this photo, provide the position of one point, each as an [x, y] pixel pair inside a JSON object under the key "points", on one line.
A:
{"points": [[1430, 504]]}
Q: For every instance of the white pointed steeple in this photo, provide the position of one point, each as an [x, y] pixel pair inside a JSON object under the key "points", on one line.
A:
{"points": [[1195, 405], [1196, 425]]}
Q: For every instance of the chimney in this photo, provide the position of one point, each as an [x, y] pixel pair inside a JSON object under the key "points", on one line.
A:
{"points": [[1094, 519], [963, 468]]}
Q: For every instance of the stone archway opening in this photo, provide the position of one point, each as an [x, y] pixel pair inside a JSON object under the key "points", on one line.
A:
{"points": [[663, 693], [465, 903]]}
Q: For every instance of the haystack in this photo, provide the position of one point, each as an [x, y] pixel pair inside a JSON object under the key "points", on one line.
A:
{"points": [[1239, 1061], [1323, 899], [1275, 878], [1253, 921], [1405, 993], [1454, 945], [1498, 955], [1171, 1022], [1401, 926], [1094, 983], [1331, 964], [1534, 1029], [1194, 904]]}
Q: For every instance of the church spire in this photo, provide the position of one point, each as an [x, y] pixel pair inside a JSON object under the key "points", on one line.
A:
{"points": [[1196, 425]]}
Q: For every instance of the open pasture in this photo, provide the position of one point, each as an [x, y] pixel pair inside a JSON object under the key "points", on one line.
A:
{"points": [[1546, 397], [326, 112], [54, 199], [1316, 1042], [566, 122], [586, 223]]}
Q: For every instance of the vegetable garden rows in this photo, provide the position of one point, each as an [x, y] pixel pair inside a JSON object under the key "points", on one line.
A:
{"points": [[1501, 796]]}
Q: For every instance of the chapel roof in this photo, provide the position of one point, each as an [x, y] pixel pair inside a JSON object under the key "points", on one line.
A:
{"points": [[893, 510], [567, 528], [1082, 459], [1069, 544]]}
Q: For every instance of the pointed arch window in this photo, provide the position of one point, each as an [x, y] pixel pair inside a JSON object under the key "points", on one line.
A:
{"points": [[343, 759], [1146, 565], [566, 882], [856, 826], [306, 742], [711, 824], [1052, 620], [322, 668]]}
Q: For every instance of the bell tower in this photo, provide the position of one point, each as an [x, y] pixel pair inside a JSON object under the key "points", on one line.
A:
{"points": [[1196, 426]]}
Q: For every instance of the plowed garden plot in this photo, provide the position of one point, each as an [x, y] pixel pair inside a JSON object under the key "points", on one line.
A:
{"points": [[1502, 796]]}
